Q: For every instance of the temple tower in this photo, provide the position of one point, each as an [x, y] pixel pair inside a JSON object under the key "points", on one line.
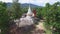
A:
{"points": [[15, 1], [29, 13]]}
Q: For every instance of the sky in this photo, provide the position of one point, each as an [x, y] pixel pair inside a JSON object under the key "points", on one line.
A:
{"points": [[36, 2]]}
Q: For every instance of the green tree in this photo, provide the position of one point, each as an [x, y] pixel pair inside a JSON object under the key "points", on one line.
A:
{"points": [[39, 13], [4, 18], [52, 17], [15, 10]]}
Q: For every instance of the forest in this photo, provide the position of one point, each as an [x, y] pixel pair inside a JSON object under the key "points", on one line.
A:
{"points": [[49, 13]]}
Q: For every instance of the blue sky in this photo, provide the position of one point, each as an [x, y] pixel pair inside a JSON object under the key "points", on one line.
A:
{"points": [[36, 2]]}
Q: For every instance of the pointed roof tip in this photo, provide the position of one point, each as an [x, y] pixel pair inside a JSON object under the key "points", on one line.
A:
{"points": [[15, 0], [29, 10]]}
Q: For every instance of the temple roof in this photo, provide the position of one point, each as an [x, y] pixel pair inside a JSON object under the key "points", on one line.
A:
{"points": [[29, 11], [15, 0]]}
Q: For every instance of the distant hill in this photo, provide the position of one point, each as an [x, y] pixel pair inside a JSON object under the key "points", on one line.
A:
{"points": [[25, 5]]}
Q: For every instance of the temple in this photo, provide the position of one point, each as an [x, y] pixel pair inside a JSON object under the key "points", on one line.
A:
{"points": [[27, 18], [30, 13], [27, 23], [16, 1]]}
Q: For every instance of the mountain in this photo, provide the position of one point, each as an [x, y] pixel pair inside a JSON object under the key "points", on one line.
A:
{"points": [[25, 5]]}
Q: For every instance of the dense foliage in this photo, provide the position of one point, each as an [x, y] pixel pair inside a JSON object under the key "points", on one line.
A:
{"points": [[15, 10], [51, 14], [4, 18]]}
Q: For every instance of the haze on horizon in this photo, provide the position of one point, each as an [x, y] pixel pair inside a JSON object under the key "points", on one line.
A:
{"points": [[36, 2]]}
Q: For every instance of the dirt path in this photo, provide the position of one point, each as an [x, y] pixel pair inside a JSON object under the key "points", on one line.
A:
{"points": [[39, 28], [40, 25]]}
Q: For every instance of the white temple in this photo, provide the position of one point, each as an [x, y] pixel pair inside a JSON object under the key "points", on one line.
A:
{"points": [[26, 21], [29, 13], [16, 1]]}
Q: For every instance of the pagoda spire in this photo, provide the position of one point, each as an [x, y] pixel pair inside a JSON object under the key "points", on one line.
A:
{"points": [[15, 1], [29, 11]]}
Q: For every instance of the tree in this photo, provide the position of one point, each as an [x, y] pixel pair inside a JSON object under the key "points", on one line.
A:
{"points": [[39, 13], [15, 10], [4, 18], [52, 18]]}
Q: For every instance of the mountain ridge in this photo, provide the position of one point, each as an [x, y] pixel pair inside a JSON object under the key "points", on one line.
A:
{"points": [[25, 5]]}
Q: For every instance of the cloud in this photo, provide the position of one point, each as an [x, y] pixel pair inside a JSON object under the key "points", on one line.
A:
{"points": [[6, 0], [37, 2]]}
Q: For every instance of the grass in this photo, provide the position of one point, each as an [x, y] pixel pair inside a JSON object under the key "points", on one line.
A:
{"points": [[47, 30]]}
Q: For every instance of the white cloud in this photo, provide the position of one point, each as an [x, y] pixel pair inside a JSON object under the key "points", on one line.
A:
{"points": [[37, 2], [6, 0]]}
